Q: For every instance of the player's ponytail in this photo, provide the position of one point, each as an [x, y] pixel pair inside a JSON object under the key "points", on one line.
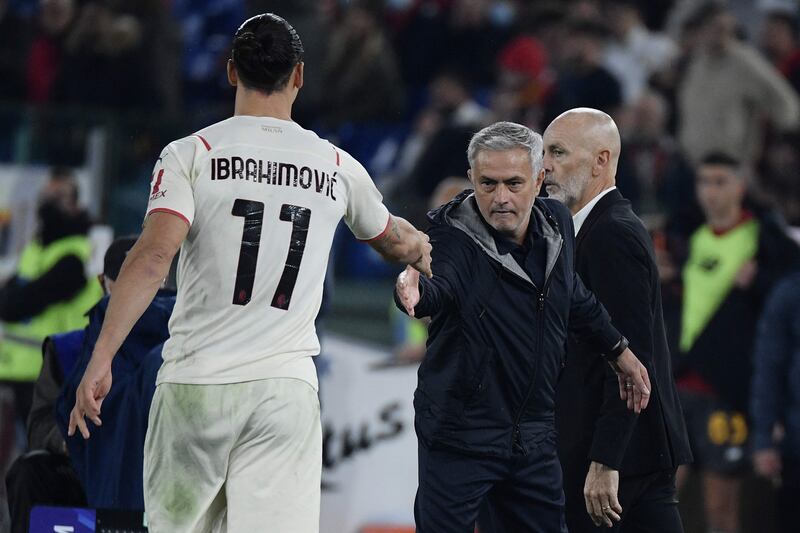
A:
{"points": [[265, 50]]}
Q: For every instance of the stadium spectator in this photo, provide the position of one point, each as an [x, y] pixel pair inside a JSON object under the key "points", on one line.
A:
{"points": [[734, 259], [613, 460], [584, 81], [46, 475], [14, 44], [635, 53], [476, 30], [775, 402], [236, 442], [663, 179], [779, 182], [50, 292], [102, 61], [432, 152], [361, 78], [524, 80], [45, 57], [501, 300], [206, 26], [779, 39], [727, 89], [420, 34]]}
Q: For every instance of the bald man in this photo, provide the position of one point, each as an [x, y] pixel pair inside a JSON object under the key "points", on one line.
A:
{"points": [[619, 468]]}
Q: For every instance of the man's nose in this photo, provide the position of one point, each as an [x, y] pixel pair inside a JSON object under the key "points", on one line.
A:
{"points": [[502, 194]]}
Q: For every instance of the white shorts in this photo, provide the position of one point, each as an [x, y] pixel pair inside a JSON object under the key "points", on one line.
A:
{"points": [[234, 458]]}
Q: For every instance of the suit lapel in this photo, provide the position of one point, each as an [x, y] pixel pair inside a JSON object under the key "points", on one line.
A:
{"points": [[594, 215]]}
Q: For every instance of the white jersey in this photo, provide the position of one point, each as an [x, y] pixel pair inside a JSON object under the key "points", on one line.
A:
{"points": [[262, 197]]}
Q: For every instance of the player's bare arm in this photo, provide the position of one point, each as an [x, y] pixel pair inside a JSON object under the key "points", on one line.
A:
{"points": [[405, 244], [142, 274]]}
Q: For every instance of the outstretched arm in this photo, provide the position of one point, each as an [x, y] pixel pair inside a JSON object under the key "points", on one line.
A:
{"points": [[403, 243]]}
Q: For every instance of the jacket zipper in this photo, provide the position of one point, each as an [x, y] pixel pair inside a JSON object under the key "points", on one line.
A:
{"points": [[516, 442]]}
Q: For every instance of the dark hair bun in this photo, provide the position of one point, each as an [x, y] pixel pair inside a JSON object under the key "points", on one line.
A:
{"points": [[266, 49]]}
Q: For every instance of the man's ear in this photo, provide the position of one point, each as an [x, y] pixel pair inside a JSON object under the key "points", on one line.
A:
{"points": [[469, 176], [602, 161], [299, 70], [538, 180], [233, 78]]}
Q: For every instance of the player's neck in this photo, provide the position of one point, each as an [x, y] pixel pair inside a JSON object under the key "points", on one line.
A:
{"points": [[257, 104]]}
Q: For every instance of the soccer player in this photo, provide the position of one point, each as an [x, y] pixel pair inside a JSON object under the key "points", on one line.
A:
{"points": [[234, 437]]}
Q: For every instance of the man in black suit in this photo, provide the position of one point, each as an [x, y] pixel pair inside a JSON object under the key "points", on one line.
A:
{"points": [[619, 467]]}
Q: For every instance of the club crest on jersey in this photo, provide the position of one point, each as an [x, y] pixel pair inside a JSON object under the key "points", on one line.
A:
{"points": [[274, 173]]}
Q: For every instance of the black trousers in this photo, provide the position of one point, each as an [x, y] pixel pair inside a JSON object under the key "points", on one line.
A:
{"points": [[789, 495], [523, 493], [649, 505], [41, 478]]}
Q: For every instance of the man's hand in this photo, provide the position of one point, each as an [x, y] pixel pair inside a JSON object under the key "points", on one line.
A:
{"points": [[768, 463], [407, 287], [89, 397], [634, 382], [600, 495], [746, 275]]}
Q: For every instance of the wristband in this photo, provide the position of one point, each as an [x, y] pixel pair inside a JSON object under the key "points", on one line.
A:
{"points": [[617, 350]]}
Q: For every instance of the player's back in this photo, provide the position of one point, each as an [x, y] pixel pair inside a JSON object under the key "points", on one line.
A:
{"points": [[263, 198]]}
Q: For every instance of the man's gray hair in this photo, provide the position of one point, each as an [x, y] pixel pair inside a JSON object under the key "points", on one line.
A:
{"points": [[502, 136]]}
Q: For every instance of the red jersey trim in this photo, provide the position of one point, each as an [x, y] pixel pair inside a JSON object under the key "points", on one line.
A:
{"points": [[171, 212], [745, 216], [205, 142], [381, 234]]}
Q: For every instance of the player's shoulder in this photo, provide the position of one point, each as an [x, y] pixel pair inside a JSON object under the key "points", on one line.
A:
{"points": [[348, 165]]}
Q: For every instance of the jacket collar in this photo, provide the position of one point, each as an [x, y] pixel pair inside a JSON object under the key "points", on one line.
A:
{"points": [[463, 214], [600, 207]]}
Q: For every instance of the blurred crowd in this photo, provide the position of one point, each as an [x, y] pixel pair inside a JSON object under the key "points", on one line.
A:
{"points": [[706, 95], [682, 78]]}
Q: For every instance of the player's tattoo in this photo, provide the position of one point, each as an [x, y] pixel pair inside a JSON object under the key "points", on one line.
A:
{"points": [[395, 230]]}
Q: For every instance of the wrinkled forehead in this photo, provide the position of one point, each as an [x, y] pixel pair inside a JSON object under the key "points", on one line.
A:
{"points": [[507, 162]]}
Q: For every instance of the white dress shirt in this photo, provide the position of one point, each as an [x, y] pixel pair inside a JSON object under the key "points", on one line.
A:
{"points": [[580, 217]]}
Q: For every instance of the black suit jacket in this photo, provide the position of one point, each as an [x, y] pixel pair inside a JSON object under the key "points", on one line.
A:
{"points": [[616, 261]]}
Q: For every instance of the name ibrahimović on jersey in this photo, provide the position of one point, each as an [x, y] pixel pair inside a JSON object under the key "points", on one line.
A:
{"points": [[273, 173]]}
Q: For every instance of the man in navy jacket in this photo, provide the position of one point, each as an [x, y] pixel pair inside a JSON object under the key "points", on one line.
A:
{"points": [[503, 296]]}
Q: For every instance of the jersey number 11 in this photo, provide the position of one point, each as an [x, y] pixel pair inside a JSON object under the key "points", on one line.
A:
{"points": [[253, 214]]}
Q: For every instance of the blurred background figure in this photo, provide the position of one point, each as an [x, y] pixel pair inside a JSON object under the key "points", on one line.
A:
{"points": [[50, 292], [734, 259], [635, 52], [585, 82], [361, 78], [729, 88], [45, 474], [779, 40], [775, 405]]}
